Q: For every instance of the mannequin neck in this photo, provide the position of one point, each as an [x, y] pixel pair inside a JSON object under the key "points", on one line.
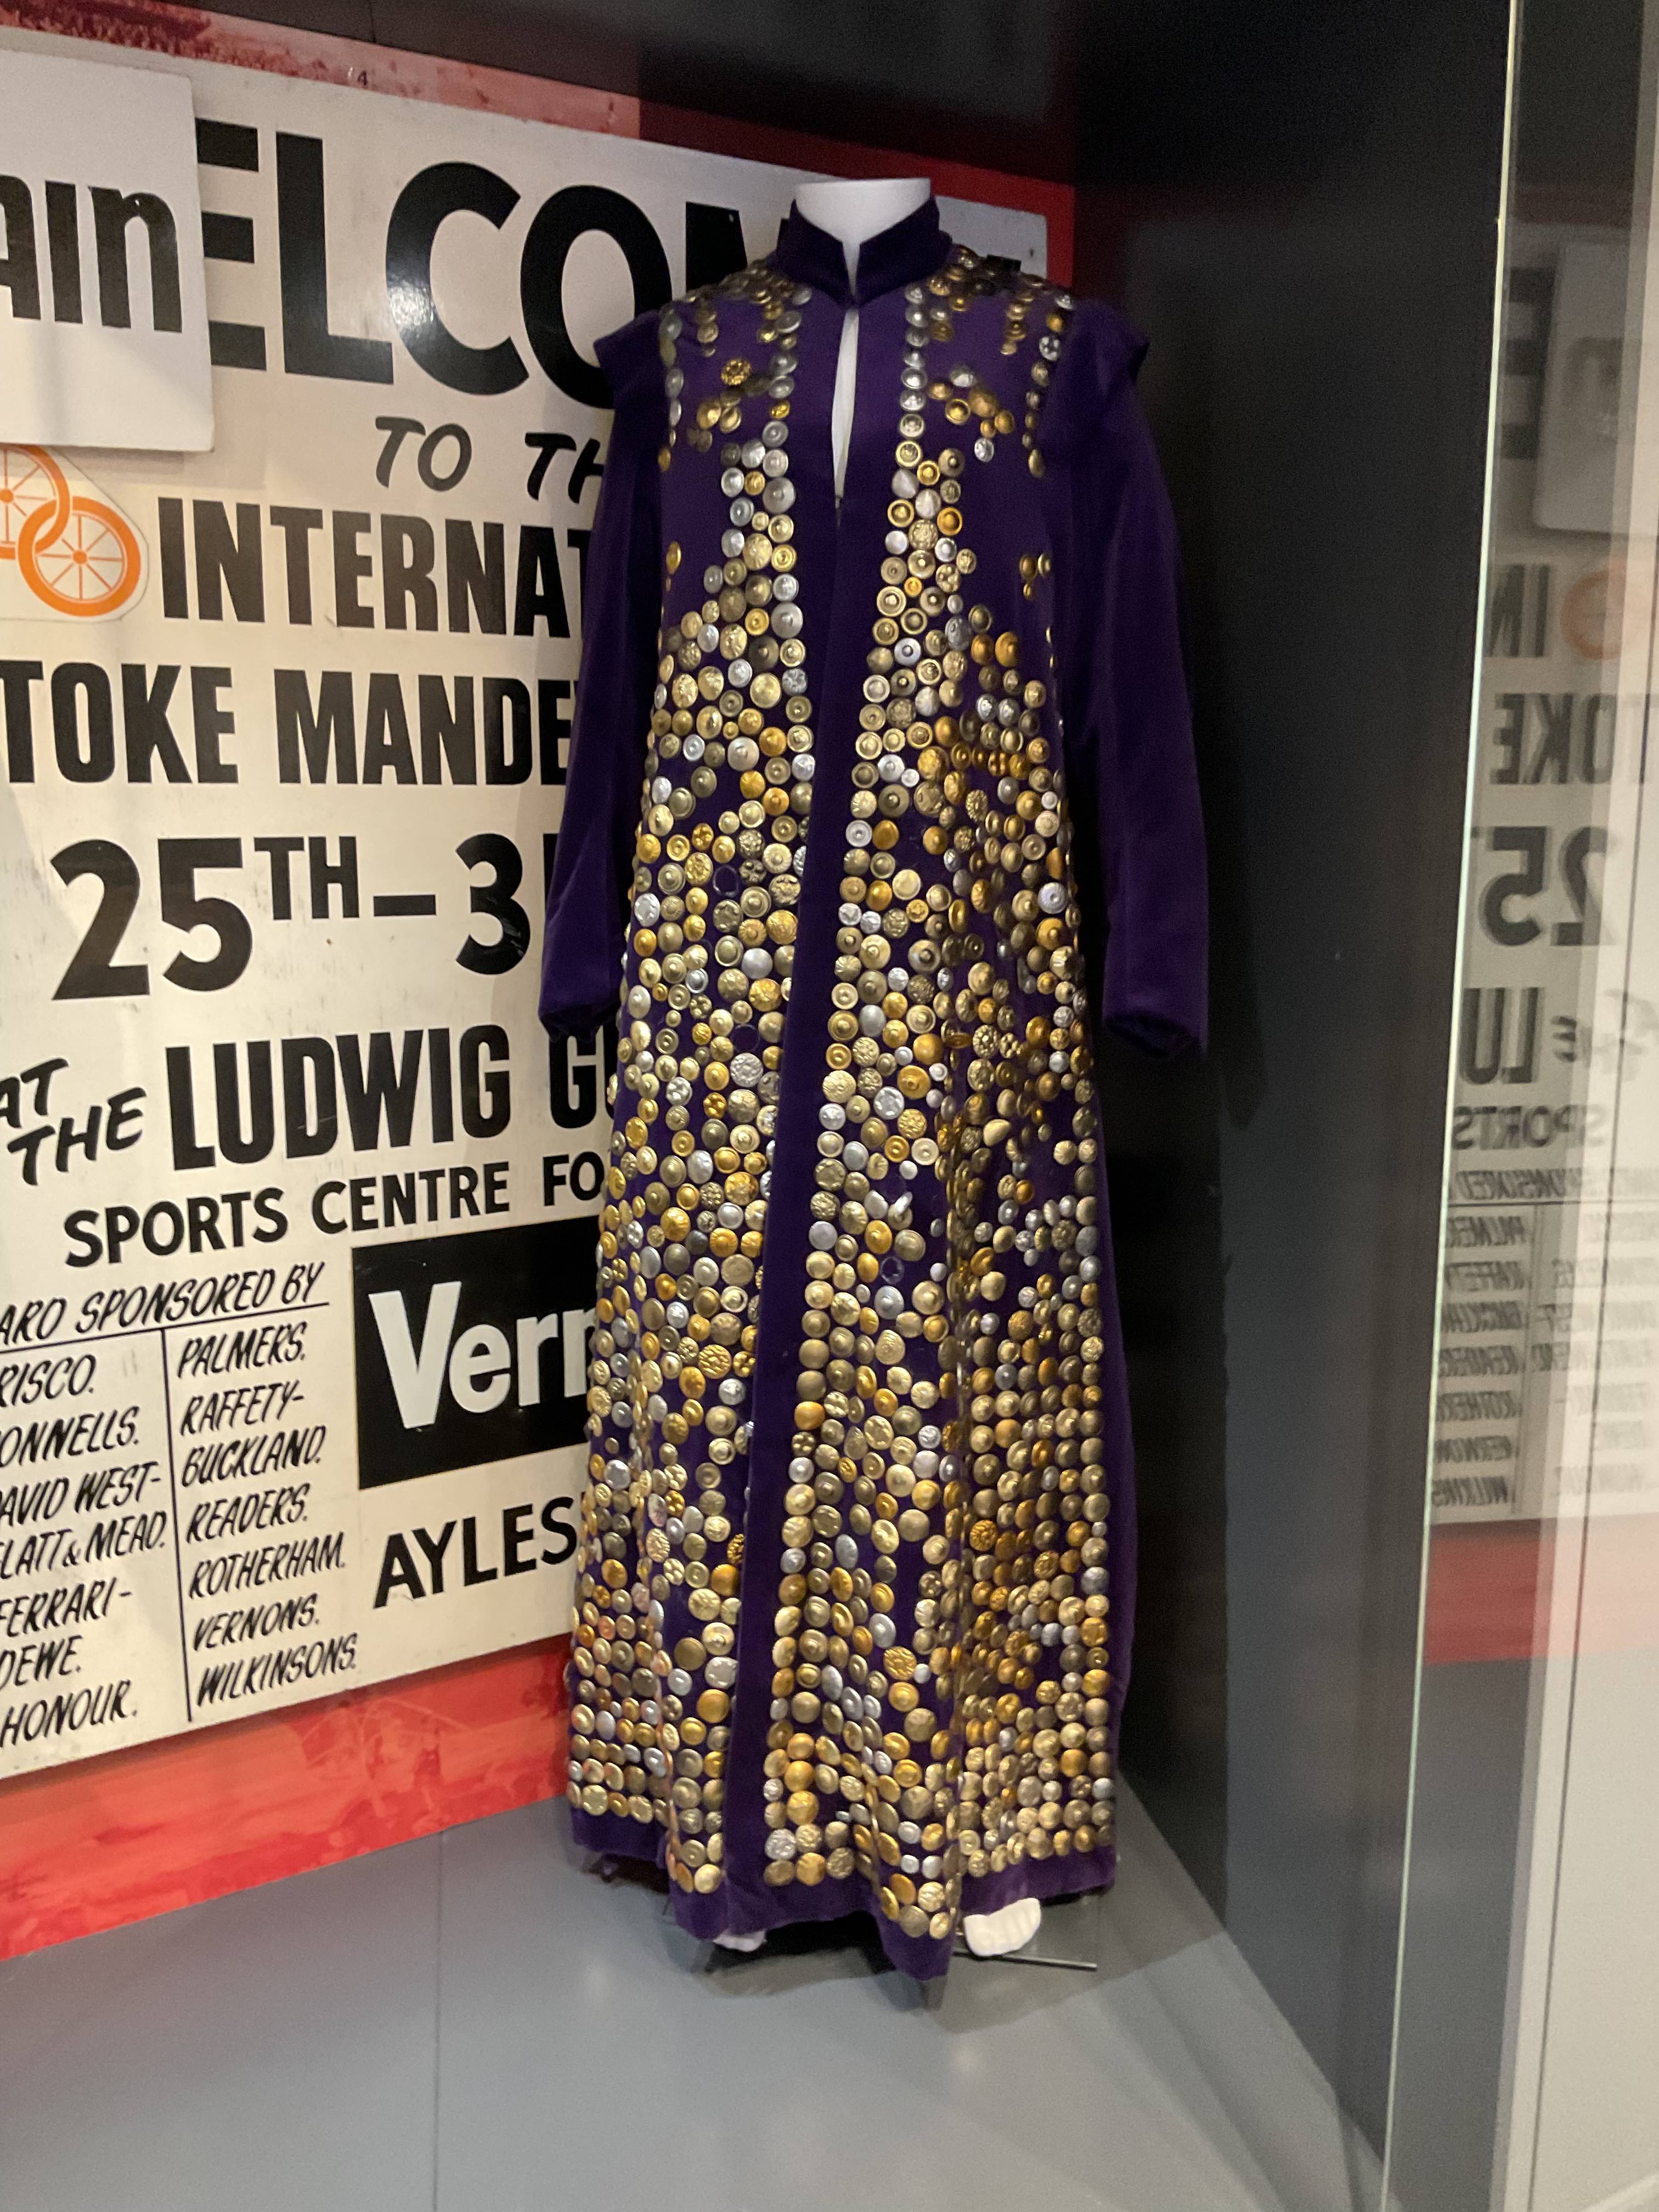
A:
{"points": [[853, 210]]}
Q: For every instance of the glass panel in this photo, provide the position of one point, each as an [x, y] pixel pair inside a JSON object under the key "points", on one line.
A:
{"points": [[1526, 2063]]}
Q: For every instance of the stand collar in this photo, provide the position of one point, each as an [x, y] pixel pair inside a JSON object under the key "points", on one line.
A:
{"points": [[908, 250]]}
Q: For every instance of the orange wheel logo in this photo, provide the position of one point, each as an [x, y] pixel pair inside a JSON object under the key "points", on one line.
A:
{"points": [[78, 555], [1592, 612]]}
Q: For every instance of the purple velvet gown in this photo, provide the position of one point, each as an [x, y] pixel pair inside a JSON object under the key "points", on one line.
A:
{"points": [[876, 810]]}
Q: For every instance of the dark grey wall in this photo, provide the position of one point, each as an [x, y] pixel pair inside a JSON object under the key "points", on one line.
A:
{"points": [[1303, 217]]}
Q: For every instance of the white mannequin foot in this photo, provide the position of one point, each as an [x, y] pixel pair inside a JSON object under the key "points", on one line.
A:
{"points": [[993, 1934], [730, 1943]]}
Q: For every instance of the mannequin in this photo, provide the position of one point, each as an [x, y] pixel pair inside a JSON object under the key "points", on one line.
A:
{"points": [[853, 210], [972, 1762]]}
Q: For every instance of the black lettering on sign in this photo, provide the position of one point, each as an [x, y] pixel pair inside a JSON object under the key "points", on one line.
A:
{"points": [[309, 347], [112, 214], [63, 248], [575, 1078], [448, 188], [1496, 1043], [414, 1563], [230, 238], [20, 269], [560, 221], [94, 972], [471, 1348], [1507, 896], [375, 1079], [318, 725]]}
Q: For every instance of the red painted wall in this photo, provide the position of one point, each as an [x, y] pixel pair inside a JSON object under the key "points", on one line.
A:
{"points": [[112, 1839]]}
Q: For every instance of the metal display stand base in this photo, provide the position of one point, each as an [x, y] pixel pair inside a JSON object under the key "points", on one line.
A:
{"points": [[1068, 1935]]}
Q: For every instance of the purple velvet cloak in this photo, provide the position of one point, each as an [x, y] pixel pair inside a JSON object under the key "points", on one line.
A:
{"points": [[876, 809]]}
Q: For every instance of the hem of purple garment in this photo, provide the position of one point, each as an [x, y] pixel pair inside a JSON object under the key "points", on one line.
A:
{"points": [[921, 1956]]}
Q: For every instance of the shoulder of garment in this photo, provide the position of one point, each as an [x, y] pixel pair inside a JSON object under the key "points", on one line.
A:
{"points": [[633, 367], [1094, 377], [1095, 353]]}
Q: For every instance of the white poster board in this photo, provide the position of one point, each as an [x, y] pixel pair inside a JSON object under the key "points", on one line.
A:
{"points": [[295, 1208], [103, 311]]}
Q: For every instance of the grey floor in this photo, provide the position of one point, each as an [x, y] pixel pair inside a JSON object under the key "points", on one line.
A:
{"points": [[474, 2023]]}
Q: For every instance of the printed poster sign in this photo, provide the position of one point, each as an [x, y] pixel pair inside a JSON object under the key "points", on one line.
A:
{"points": [[296, 1246], [103, 313], [1551, 1280]]}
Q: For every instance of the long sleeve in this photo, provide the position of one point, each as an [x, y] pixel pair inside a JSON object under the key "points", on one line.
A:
{"points": [[1128, 743], [587, 898]]}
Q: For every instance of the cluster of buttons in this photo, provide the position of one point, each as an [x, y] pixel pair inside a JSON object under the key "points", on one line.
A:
{"points": [[946, 1523], [939, 1684], [716, 882], [1054, 309]]}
